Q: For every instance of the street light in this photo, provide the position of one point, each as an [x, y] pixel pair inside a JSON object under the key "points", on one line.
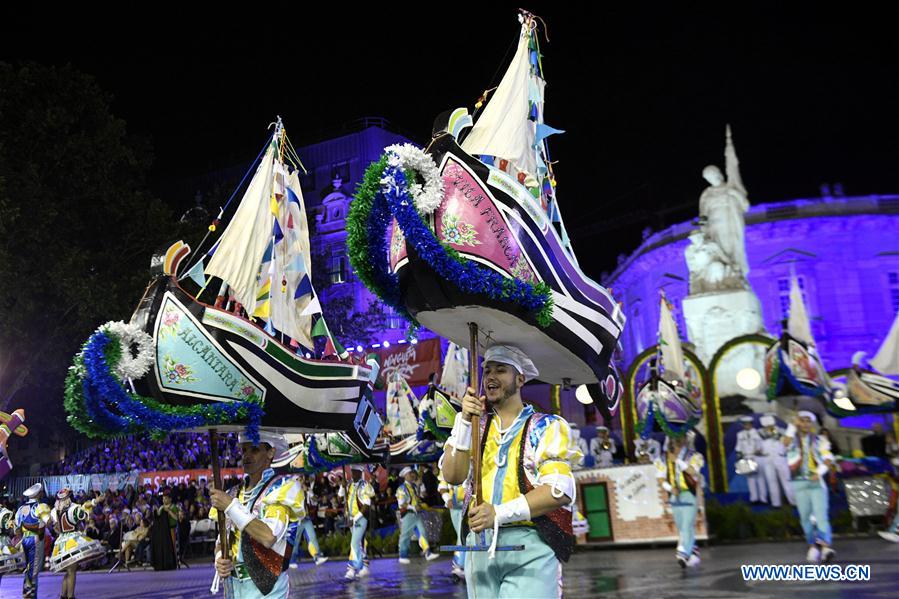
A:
{"points": [[749, 379]]}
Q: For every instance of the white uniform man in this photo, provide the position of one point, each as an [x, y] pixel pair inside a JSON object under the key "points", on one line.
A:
{"points": [[577, 440], [774, 465], [749, 445], [602, 448], [647, 451]]}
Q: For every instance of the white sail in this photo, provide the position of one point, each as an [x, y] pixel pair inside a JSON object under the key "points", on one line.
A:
{"points": [[503, 129], [887, 359], [454, 377], [292, 261], [401, 419], [669, 338], [798, 324], [242, 245]]}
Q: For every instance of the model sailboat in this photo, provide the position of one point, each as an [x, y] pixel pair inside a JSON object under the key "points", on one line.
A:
{"points": [[870, 389], [488, 244]]}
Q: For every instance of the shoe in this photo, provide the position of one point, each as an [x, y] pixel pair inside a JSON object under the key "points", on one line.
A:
{"points": [[457, 573], [363, 572], [294, 565], [889, 536], [682, 560], [320, 560], [827, 555], [431, 556], [351, 574], [813, 554], [404, 560], [693, 561]]}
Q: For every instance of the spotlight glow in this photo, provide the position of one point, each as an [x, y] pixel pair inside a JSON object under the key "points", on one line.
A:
{"points": [[749, 379], [583, 395], [387, 344]]}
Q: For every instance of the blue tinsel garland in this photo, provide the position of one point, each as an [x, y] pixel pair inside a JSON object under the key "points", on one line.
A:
{"points": [[394, 201], [103, 393]]}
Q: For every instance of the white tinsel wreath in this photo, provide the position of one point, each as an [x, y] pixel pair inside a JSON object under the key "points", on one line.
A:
{"points": [[131, 365], [411, 159]]}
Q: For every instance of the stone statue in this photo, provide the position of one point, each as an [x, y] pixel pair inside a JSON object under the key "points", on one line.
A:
{"points": [[717, 255]]}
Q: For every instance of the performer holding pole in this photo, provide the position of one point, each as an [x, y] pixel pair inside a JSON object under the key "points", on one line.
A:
{"points": [[31, 520], [526, 477], [261, 517]]}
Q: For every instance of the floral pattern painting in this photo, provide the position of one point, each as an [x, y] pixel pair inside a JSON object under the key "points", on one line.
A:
{"points": [[397, 242], [176, 372], [459, 233], [171, 318], [520, 270]]}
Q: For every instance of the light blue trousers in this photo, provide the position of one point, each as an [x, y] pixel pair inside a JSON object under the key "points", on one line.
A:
{"points": [[306, 527], [894, 526], [683, 508], [412, 521], [456, 518], [246, 589], [534, 572], [357, 544], [811, 500]]}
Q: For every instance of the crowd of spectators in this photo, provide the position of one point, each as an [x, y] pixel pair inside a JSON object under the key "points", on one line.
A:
{"points": [[181, 451]]}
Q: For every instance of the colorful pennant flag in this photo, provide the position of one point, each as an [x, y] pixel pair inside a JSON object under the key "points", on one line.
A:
{"points": [[304, 288], [277, 233], [197, 275], [544, 131]]}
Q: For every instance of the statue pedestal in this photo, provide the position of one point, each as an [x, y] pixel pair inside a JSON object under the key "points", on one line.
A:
{"points": [[715, 318]]}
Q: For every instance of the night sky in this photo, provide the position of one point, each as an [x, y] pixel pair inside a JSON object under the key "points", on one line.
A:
{"points": [[644, 95]]}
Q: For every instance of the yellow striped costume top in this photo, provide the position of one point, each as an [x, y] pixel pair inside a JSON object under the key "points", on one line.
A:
{"points": [[361, 493], [670, 467], [452, 494], [407, 497]]}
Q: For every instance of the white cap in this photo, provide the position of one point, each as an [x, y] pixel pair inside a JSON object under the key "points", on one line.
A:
{"points": [[405, 471], [767, 420], [359, 467], [745, 419], [602, 428], [806, 414], [33, 491], [276, 440], [507, 354]]}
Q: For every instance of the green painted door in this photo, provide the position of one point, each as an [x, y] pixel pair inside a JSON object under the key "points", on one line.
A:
{"points": [[596, 505]]}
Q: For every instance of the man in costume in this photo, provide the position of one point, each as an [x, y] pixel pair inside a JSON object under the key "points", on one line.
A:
{"points": [[810, 458], [31, 519], [602, 448], [262, 516], [65, 517], [307, 527], [749, 446], [774, 463], [679, 471], [526, 479], [11, 557], [647, 451], [454, 499], [581, 444], [409, 503], [359, 498]]}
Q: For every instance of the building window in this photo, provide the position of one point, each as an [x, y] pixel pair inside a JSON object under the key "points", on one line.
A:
{"points": [[394, 320], [338, 264], [341, 171], [783, 293], [893, 279]]}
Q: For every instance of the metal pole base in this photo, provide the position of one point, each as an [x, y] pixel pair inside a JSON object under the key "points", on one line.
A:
{"points": [[449, 548]]}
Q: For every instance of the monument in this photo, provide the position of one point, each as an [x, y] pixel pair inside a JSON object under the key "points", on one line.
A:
{"points": [[721, 304]]}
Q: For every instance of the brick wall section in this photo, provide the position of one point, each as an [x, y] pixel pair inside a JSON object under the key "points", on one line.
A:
{"points": [[642, 529]]}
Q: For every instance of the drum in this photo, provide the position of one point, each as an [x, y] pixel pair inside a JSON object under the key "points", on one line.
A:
{"points": [[11, 560], [747, 466], [74, 548]]}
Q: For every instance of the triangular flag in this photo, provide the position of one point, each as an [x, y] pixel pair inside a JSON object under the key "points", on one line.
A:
{"points": [[290, 221], [534, 92], [263, 310], [277, 232], [320, 329], [264, 292], [296, 265], [544, 131], [267, 257], [269, 328], [196, 274], [292, 197], [273, 205], [314, 307], [215, 247], [304, 288]]}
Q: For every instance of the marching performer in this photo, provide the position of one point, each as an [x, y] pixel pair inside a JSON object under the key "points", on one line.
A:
{"points": [[262, 515], [580, 443], [809, 458], [774, 465], [680, 471], [11, 557], [307, 527], [749, 446], [454, 499], [359, 500], [31, 519], [71, 547], [526, 479], [602, 448], [409, 504]]}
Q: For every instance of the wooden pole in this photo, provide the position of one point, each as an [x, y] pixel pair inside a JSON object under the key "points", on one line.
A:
{"points": [[217, 481], [477, 497]]}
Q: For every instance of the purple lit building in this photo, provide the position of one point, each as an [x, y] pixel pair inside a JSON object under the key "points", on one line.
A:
{"points": [[844, 250]]}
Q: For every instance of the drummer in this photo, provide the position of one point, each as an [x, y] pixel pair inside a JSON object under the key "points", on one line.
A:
{"points": [[11, 558], [749, 447], [70, 545]]}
